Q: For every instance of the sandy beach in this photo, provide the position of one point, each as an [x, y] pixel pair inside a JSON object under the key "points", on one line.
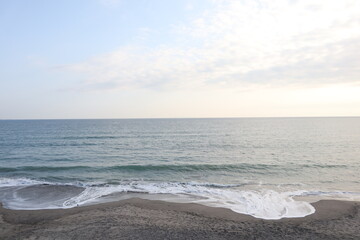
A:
{"points": [[150, 219]]}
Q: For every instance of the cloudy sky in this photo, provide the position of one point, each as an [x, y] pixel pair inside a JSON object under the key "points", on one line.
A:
{"points": [[180, 58]]}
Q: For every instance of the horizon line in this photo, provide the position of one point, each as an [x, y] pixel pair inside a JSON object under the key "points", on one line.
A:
{"points": [[154, 118]]}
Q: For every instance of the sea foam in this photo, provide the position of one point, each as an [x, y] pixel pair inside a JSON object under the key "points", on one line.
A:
{"points": [[23, 193], [266, 204]]}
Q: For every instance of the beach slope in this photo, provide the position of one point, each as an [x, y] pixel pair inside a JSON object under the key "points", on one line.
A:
{"points": [[148, 219]]}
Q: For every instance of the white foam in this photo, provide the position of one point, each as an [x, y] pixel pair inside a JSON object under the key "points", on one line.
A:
{"points": [[15, 182], [266, 204], [19, 182], [259, 202]]}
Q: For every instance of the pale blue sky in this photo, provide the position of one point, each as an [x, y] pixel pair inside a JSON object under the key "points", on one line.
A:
{"points": [[204, 58]]}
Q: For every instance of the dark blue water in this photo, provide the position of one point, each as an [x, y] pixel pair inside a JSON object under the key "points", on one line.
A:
{"points": [[235, 163]]}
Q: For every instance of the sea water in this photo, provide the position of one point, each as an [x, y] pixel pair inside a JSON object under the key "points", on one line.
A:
{"points": [[269, 168]]}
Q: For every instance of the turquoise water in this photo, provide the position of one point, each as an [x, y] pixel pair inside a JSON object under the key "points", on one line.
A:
{"points": [[250, 165]]}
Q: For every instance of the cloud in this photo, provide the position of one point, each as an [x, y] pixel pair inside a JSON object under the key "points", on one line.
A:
{"points": [[241, 43]]}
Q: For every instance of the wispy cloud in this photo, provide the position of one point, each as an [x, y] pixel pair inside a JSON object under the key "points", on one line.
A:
{"points": [[241, 43]]}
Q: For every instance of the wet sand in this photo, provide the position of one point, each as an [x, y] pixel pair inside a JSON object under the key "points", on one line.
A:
{"points": [[148, 219]]}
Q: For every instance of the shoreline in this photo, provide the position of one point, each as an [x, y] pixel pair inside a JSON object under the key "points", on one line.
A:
{"points": [[137, 218]]}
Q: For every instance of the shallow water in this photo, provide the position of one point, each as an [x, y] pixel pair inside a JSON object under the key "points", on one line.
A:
{"points": [[250, 165]]}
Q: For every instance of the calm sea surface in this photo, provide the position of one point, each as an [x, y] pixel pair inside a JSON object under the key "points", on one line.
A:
{"points": [[266, 167]]}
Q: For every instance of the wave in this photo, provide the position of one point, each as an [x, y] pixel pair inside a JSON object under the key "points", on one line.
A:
{"points": [[15, 182], [91, 137], [43, 169], [241, 167], [260, 203]]}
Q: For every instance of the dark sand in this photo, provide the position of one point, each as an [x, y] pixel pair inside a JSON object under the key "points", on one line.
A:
{"points": [[147, 219]]}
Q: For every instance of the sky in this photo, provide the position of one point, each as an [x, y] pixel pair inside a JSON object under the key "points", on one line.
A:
{"points": [[179, 58]]}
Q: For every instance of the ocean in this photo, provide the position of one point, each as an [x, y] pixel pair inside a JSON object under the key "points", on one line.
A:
{"points": [[269, 168]]}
